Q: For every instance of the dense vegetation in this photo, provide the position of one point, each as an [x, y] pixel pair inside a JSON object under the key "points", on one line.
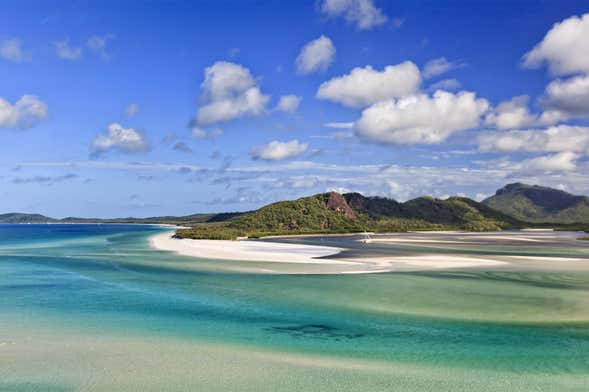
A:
{"points": [[352, 212], [533, 203]]}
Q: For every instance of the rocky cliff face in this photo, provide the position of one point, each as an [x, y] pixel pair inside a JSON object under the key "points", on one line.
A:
{"points": [[336, 202]]}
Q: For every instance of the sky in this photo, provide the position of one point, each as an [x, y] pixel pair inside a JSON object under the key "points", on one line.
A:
{"points": [[111, 109]]}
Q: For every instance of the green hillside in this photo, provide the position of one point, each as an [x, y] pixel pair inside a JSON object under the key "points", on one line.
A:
{"points": [[15, 217], [538, 204], [352, 212]]}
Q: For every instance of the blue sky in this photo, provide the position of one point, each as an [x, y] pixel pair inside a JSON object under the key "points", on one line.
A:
{"points": [[148, 108]]}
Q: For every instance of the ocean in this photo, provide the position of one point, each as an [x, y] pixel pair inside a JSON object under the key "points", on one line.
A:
{"points": [[94, 308]]}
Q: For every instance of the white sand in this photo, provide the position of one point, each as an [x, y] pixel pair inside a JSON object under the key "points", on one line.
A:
{"points": [[273, 252], [444, 261], [246, 250]]}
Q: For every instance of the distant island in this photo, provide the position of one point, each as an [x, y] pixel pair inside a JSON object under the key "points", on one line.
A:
{"points": [[21, 218], [514, 206]]}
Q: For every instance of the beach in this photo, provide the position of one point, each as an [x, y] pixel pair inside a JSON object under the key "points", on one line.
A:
{"points": [[335, 259], [245, 250]]}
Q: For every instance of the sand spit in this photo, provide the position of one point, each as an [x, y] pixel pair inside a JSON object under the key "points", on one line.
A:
{"points": [[273, 252]]}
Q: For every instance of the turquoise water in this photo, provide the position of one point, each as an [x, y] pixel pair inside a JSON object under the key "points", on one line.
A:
{"points": [[92, 307]]}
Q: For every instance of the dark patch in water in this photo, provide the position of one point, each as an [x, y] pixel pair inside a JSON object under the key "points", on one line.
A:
{"points": [[34, 386], [318, 331], [35, 286], [532, 278]]}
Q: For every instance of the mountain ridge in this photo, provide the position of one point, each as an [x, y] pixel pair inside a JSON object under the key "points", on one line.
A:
{"points": [[540, 204], [352, 212]]}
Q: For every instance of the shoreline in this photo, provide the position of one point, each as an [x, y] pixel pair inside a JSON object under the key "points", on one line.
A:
{"points": [[276, 253], [246, 250]]}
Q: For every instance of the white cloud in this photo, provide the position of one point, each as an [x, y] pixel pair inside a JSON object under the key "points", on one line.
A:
{"points": [[561, 162], [445, 84], [276, 151], [11, 49], [398, 191], [512, 114], [365, 86], [126, 140], [565, 48], [229, 92], [339, 125], [564, 99], [421, 119], [25, 113], [481, 196], [132, 110], [439, 66], [559, 138], [201, 133], [65, 51], [315, 56], [367, 179], [288, 103], [363, 13]]}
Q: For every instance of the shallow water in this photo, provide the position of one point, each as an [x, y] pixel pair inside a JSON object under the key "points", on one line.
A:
{"points": [[93, 308]]}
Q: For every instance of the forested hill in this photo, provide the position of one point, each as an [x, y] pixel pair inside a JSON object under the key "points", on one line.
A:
{"points": [[533, 203], [352, 212]]}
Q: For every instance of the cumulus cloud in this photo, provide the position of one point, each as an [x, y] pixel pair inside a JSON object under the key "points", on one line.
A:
{"points": [[288, 103], [565, 99], [362, 13], [512, 114], [559, 138], [201, 133], [276, 151], [365, 86], [439, 66], [445, 84], [25, 113], [11, 49], [561, 162], [229, 92], [118, 138], [65, 51], [132, 110], [315, 56], [565, 48], [421, 119]]}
